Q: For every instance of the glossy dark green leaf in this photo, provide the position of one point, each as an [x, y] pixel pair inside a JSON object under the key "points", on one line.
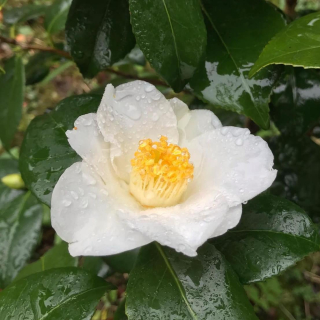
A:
{"points": [[8, 166], [122, 262], [23, 13], [167, 285], [56, 16], [38, 66], [120, 313], [20, 223], [237, 32], [57, 257], [297, 45], [296, 101], [95, 265], [63, 293], [172, 36], [98, 33], [298, 165], [45, 152], [273, 234], [11, 98]]}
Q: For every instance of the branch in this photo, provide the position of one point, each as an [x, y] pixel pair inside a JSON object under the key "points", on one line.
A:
{"points": [[65, 54], [290, 8], [133, 77], [26, 46]]}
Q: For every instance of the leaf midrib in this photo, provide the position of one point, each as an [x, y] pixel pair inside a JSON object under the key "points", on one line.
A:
{"points": [[173, 37], [174, 276], [71, 298]]}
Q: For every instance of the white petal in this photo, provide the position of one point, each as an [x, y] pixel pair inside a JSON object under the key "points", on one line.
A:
{"points": [[192, 123], [232, 160], [188, 225], [84, 213], [129, 113], [87, 140]]}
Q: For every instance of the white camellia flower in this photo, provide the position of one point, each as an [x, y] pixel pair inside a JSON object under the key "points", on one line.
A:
{"points": [[153, 170]]}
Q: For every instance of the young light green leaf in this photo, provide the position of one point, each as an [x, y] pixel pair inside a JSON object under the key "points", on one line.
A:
{"points": [[63, 293], [167, 285], [20, 220], [99, 34], [57, 257], [297, 45], [172, 36], [273, 234], [11, 98], [56, 16], [237, 32], [45, 152]]}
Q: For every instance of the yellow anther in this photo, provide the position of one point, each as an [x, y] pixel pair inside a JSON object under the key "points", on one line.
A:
{"points": [[160, 172]]}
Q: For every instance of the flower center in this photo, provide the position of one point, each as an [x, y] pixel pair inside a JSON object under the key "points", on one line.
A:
{"points": [[160, 173]]}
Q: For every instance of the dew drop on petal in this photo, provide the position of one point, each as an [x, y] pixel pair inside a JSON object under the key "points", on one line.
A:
{"points": [[149, 88], [239, 142], [133, 112], [155, 117], [74, 195], [66, 202]]}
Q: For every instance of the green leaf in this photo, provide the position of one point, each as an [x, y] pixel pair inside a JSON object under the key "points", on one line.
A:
{"points": [[298, 165], [45, 152], [296, 45], [237, 32], [96, 266], [57, 257], [11, 98], [56, 16], [64, 294], [273, 234], [22, 14], [38, 66], [295, 101], [172, 36], [122, 262], [20, 223], [8, 166], [99, 34], [120, 313], [165, 284]]}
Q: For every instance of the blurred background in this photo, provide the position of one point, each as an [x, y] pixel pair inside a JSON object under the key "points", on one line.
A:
{"points": [[36, 30]]}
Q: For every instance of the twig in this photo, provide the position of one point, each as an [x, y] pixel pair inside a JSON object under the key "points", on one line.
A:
{"points": [[66, 54], [130, 76], [290, 8], [26, 46]]}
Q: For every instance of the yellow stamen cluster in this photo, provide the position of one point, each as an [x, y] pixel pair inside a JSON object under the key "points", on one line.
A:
{"points": [[160, 172]]}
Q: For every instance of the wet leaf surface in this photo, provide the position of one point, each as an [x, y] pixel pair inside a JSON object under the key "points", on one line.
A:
{"points": [[165, 285], [273, 234], [63, 293], [297, 45], [296, 101], [45, 152], [99, 34], [237, 32], [298, 165], [172, 36], [20, 223]]}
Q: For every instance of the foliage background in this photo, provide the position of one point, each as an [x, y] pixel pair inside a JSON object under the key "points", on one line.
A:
{"points": [[295, 294]]}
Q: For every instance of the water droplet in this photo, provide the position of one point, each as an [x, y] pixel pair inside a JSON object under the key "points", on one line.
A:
{"points": [[74, 195], [149, 88], [83, 203], [66, 202], [239, 142], [224, 130], [89, 180], [137, 98], [155, 117], [133, 112]]}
